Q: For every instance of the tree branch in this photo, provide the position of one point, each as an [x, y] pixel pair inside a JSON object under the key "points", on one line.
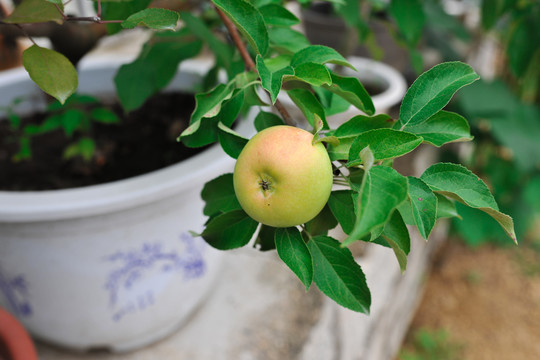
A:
{"points": [[248, 61]]}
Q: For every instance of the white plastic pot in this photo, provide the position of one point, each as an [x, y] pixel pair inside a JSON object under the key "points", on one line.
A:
{"points": [[370, 73], [109, 266]]}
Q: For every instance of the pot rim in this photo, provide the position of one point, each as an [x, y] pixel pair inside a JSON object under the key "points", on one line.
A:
{"points": [[47, 205]]}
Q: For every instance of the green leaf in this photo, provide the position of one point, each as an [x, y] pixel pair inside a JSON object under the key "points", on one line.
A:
{"points": [[294, 252], [446, 208], [104, 116], [271, 80], [265, 120], [311, 73], [85, 148], [218, 195], [120, 10], [266, 238], [522, 45], [71, 120], [231, 142], [229, 230], [288, 40], [424, 205], [321, 223], [459, 183], [432, 90], [353, 91], [337, 274], [397, 236], [154, 68], [277, 15], [319, 54], [531, 193], [382, 190], [309, 105], [442, 128], [248, 20], [410, 19], [362, 123], [51, 71], [157, 19], [348, 131], [223, 103], [384, 143], [223, 52], [35, 11], [342, 206]]}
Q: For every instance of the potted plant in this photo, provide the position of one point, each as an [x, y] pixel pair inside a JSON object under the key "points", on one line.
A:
{"points": [[15, 343], [339, 175]]}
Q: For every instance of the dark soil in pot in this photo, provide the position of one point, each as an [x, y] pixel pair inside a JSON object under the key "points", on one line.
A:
{"points": [[143, 141]]}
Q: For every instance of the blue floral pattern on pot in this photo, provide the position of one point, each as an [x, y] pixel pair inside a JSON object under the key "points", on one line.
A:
{"points": [[138, 275], [15, 291]]}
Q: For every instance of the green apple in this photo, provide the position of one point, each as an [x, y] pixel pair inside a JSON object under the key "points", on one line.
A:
{"points": [[281, 179]]}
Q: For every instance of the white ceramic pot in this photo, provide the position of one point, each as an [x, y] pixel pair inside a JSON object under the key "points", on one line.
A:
{"points": [[109, 266], [370, 73]]}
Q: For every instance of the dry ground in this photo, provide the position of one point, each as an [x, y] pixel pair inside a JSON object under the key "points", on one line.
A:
{"points": [[487, 300]]}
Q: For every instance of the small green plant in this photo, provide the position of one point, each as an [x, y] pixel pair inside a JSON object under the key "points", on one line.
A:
{"points": [[75, 118], [432, 345], [255, 45]]}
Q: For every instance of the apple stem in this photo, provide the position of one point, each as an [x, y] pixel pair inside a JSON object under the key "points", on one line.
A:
{"points": [[248, 61]]}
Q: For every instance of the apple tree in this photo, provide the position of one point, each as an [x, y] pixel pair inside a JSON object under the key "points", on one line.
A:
{"points": [[256, 46]]}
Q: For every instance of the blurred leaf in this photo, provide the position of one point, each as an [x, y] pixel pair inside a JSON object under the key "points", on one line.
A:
{"points": [[120, 10], [522, 45], [477, 228], [249, 22], [410, 18], [294, 252], [157, 19], [85, 148], [432, 90], [104, 116], [35, 11], [154, 68], [278, 15], [51, 71], [286, 39], [223, 52], [337, 274]]}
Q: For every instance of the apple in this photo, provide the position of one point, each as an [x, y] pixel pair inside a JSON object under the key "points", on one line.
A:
{"points": [[281, 179]]}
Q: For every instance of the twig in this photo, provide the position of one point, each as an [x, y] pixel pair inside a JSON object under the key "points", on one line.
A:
{"points": [[248, 61]]}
